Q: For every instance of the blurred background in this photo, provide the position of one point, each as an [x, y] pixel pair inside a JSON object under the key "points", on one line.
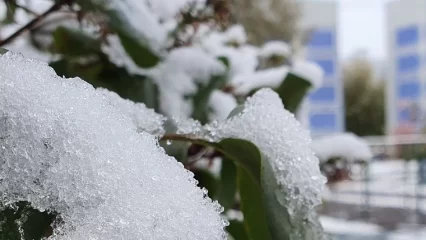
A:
{"points": [[367, 120]]}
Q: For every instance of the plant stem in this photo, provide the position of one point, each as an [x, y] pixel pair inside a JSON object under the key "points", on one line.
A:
{"points": [[32, 23]]}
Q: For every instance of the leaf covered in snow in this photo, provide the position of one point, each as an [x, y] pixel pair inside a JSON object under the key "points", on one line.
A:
{"points": [[65, 148]]}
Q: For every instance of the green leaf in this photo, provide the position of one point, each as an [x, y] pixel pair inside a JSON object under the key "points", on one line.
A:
{"points": [[264, 216], [253, 208], [292, 91], [228, 184], [201, 98], [71, 42], [10, 11], [236, 230], [3, 50], [135, 45], [207, 180]]}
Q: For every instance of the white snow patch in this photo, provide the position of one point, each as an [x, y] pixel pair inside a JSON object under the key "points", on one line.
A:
{"points": [[310, 71], [118, 55], [145, 119], [334, 225], [275, 48], [179, 74], [64, 148], [143, 21], [272, 78], [343, 145], [221, 104]]}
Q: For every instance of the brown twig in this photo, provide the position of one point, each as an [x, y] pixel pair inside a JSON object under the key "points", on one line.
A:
{"points": [[32, 23]]}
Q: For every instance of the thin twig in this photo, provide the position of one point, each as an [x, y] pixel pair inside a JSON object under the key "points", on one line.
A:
{"points": [[32, 23]]}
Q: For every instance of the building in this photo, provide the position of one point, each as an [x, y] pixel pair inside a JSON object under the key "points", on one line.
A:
{"points": [[406, 40], [323, 110]]}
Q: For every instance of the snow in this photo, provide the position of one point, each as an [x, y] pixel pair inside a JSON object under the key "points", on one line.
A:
{"points": [[145, 119], [275, 48], [221, 104], [334, 225], [143, 22], [235, 34], [309, 71], [344, 145], [118, 55], [282, 140], [178, 75], [272, 78], [65, 148]]}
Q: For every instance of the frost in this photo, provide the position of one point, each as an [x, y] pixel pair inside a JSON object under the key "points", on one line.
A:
{"points": [[179, 75], [145, 119], [284, 143], [64, 148], [221, 104], [310, 71], [275, 48], [272, 78], [343, 145]]}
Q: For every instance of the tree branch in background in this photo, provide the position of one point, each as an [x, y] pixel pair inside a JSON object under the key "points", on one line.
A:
{"points": [[36, 20]]}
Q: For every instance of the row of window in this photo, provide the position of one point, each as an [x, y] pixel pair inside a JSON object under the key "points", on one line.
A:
{"points": [[325, 121]]}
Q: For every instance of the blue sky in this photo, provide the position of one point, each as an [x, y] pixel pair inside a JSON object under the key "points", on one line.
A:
{"points": [[362, 27]]}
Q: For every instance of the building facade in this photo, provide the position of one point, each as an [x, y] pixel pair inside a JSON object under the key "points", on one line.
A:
{"points": [[323, 110], [406, 42]]}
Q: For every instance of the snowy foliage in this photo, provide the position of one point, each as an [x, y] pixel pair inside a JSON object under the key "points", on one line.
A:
{"points": [[347, 146], [275, 48], [221, 104], [65, 148], [282, 140]]}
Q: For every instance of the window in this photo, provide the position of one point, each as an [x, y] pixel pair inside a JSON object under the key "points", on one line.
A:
{"points": [[322, 121], [327, 66], [407, 36], [409, 90], [324, 94], [321, 39], [408, 63]]}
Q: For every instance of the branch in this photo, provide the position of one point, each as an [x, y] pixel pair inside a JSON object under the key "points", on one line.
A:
{"points": [[36, 20]]}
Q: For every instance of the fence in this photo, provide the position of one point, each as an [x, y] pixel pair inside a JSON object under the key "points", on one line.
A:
{"points": [[391, 189]]}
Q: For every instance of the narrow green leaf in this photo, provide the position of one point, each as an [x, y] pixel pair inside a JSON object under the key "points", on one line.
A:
{"points": [[228, 184], [253, 208], [3, 50], [10, 11], [292, 91], [236, 230], [137, 47], [71, 42]]}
